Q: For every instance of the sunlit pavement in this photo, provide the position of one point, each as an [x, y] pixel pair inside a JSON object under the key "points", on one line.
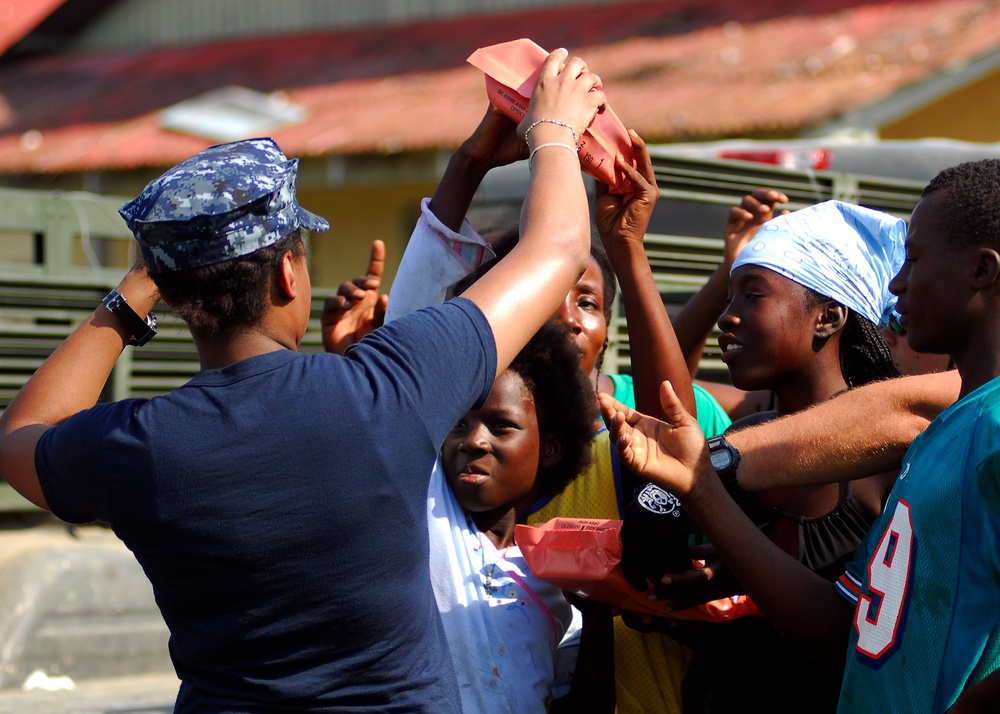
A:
{"points": [[138, 694]]}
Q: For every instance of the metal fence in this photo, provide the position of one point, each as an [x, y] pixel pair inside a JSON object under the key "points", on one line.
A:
{"points": [[61, 252]]}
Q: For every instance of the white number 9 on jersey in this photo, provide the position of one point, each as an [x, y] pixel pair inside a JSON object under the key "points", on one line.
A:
{"points": [[879, 613]]}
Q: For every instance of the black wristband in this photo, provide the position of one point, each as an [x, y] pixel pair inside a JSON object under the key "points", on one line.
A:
{"points": [[143, 330], [725, 459]]}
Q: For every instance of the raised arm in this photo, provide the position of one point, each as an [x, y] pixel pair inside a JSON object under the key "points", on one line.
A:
{"points": [[859, 433], [444, 248], [694, 322], [622, 222], [526, 287], [69, 381], [495, 142], [673, 454]]}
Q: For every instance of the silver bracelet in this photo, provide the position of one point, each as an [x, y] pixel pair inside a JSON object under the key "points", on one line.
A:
{"points": [[527, 131]]}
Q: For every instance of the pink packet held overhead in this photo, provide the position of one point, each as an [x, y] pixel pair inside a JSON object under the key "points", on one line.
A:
{"points": [[512, 69]]}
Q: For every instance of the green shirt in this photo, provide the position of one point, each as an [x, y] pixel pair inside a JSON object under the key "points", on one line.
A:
{"points": [[712, 418]]}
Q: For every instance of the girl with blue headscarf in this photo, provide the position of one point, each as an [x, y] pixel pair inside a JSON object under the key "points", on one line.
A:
{"points": [[807, 297], [840, 254]]}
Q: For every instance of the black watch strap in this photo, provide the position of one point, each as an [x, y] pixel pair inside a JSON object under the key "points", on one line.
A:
{"points": [[725, 459], [143, 330]]}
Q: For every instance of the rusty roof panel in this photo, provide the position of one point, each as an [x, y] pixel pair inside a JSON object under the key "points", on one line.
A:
{"points": [[672, 71]]}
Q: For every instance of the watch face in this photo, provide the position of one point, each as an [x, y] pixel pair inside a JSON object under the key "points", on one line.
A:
{"points": [[721, 459]]}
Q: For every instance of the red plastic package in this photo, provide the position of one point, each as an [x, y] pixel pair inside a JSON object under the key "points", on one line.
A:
{"points": [[582, 556], [512, 69]]}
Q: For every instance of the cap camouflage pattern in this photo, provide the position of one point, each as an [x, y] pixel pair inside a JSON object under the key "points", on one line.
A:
{"points": [[226, 201]]}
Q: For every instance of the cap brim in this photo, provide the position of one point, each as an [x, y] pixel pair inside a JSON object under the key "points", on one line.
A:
{"points": [[311, 221]]}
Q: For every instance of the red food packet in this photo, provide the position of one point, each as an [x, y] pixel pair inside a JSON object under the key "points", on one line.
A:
{"points": [[512, 69], [582, 556]]}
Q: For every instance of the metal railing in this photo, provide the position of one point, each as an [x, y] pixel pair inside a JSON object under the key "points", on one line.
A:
{"points": [[61, 252]]}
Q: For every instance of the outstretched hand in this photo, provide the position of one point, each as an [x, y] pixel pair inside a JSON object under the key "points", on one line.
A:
{"points": [[672, 453], [356, 309], [626, 217], [756, 209]]}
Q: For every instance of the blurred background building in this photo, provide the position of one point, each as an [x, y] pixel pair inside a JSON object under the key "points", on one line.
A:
{"points": [[372, 95]]}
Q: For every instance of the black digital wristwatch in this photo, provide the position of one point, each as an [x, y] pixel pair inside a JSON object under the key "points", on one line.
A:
{"points": [[143, 330], [725, 459]]}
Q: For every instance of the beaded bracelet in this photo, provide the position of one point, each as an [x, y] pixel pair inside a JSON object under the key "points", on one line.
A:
{"points": [[576, 139], [552, 143]]}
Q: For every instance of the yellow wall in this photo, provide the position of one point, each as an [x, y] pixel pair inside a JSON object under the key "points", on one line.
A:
{"points": [[968, 114], [359, 215]]}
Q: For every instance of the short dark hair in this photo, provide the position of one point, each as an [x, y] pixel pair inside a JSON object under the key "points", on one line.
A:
{"points": [[212, 299], [972, 212], [565, 401]]}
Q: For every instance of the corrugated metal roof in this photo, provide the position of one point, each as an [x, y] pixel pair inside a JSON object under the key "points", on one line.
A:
{"points": [[17, 19], [672, 71]]}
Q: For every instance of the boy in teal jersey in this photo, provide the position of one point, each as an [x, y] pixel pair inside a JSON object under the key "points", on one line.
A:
{"points": [[925, 582], [925, 585]]}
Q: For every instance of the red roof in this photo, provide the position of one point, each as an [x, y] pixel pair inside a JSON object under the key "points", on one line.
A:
{"points": [[678, 70], [19, 17]]}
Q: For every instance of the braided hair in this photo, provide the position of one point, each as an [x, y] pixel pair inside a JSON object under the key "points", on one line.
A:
{"points": [[864, 354]]}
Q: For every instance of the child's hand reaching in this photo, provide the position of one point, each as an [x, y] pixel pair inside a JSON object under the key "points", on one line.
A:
{"points": [[756, 209], [495, 142], [626, 217], [672, 454], [356, 309]]}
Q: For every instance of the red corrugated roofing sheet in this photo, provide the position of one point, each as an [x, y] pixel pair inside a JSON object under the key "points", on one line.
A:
{"points": [[672, 71]]}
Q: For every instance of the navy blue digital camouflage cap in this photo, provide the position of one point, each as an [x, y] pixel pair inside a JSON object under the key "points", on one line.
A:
{"points": [[226, 201]]}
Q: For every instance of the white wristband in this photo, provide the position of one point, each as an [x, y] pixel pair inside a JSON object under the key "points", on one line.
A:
{"points": [[552, 143]]}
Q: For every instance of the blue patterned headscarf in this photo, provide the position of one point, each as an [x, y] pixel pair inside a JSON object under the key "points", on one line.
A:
{"points": [[844, 252]]}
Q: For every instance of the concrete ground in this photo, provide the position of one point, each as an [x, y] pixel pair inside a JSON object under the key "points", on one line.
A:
{"points": [[135, 694], [75, 604]]}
